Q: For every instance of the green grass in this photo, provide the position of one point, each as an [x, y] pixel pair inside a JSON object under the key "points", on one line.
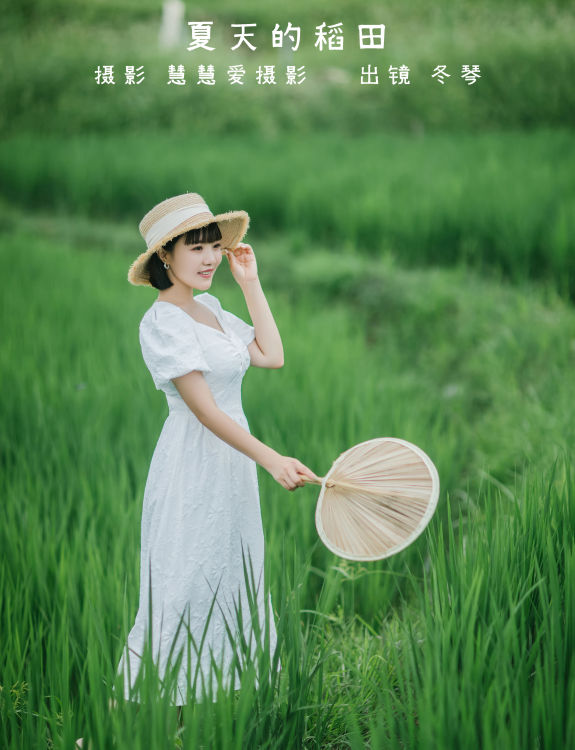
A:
{"points": [[524, 50], [416, 248], [464, 639], [502, 203]]}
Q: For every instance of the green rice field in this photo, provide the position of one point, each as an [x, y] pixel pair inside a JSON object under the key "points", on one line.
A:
{"points": [[503, 203], [464, 639], [415, 244]]}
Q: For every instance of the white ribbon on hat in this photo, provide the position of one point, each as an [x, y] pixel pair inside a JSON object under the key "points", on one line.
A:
{"points": [[170, 221]]}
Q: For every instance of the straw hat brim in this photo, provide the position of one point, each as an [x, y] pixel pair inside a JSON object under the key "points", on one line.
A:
{"points": [[233, 226]]}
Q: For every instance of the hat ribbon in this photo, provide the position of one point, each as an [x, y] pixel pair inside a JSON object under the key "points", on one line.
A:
{"points": [[170, 221]]}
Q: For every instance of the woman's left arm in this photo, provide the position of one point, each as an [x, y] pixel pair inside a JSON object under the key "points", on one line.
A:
{"points": [[266, 349]]}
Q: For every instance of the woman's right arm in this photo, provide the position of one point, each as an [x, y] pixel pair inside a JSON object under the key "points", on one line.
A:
{"points": [[196, 393]]}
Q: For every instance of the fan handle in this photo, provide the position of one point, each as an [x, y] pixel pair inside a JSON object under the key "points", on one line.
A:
{"points": [[314, 481]]}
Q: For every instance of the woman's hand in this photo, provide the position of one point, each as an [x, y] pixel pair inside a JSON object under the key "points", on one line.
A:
{"points": [[242, 263], [287, 471]]}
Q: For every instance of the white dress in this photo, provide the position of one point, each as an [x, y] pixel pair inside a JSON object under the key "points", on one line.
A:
{"points": [[201, 507]]}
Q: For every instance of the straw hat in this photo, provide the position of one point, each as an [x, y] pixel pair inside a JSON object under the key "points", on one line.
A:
{"points": [[177, 215]]}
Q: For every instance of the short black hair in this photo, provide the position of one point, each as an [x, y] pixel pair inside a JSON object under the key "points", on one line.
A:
{"points": [[158, 276]]}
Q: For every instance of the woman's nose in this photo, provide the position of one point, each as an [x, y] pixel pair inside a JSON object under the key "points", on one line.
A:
{"points": [[211, 253]]}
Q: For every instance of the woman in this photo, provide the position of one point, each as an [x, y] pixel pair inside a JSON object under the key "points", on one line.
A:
{"points": [[201, 518]]}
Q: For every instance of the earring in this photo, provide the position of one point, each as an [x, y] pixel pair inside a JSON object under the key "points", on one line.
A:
{"points": [[166, 265]]}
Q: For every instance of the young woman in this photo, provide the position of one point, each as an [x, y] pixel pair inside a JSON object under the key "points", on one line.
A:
{"points": [[201, 517]]}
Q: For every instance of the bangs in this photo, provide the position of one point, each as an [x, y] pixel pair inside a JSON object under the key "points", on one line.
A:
{"points": [[209, 233]]}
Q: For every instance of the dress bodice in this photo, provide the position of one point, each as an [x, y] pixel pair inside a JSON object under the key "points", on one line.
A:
{"points": [[173, 344]]}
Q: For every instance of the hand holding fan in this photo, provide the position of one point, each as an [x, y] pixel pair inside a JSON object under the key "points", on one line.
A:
{"points": [[376, 499]]}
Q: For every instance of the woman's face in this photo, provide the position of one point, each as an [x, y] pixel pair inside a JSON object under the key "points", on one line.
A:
{"points": [[194, 265]]}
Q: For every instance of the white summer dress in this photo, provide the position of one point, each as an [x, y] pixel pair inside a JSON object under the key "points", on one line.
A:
{"points": [[201, 508]]}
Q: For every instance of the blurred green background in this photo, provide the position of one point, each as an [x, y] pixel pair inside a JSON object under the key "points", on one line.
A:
{"points": [[434, 174], [416, 246]]}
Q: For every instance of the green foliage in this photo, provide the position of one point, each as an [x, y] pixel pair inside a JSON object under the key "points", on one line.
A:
{"points": [[524, 50], [502, 203]]}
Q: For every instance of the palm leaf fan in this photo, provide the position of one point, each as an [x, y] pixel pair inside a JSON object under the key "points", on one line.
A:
{"points": [[377, 497]]}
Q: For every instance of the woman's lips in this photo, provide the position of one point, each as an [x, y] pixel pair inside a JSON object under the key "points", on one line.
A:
{"points": [[205, 274]]}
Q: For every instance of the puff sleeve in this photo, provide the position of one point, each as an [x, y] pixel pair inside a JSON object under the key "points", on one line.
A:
{"points": [[244, 331], [170, 346]]}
